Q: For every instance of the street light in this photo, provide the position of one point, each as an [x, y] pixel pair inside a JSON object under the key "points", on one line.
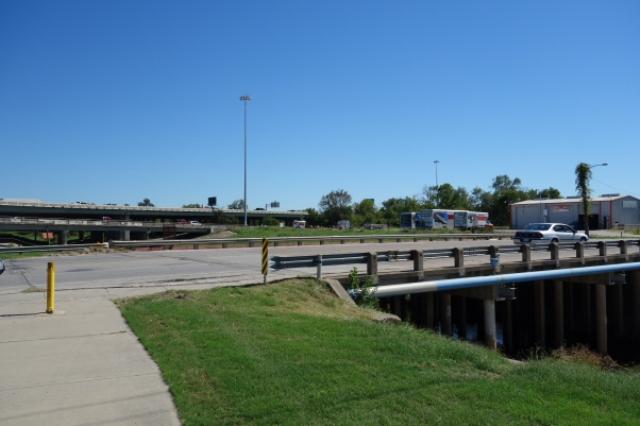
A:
{"points": [[436, 162], [591, 166], [245, 99]]}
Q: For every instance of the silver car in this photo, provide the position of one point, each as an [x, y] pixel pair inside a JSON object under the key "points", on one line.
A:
{"points": [[549, 232]]}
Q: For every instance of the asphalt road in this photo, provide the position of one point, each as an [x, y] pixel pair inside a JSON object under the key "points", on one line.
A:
{"points": [[189, 267]]}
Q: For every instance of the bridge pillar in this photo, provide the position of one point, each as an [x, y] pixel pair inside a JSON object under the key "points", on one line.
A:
{"points": [[601, 318], [430, 308], [539, 314], [617, 311], [508, 327], [633, 280], [62, 237], [558, 317], [461, 316], [445, 314], [125, 235], [490, 335]]}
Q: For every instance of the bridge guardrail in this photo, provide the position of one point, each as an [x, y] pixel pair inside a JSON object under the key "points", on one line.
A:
{"points": [[288, 262], [275, 241], [51, 248]]}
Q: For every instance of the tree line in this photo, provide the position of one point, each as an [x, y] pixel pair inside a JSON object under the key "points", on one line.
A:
{"points": [[338, 204]]}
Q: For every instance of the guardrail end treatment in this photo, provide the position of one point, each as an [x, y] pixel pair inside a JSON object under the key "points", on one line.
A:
{"points": [[51, 287]]}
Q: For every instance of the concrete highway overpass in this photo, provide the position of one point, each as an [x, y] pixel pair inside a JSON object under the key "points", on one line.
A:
{"points": [[207, 215]]}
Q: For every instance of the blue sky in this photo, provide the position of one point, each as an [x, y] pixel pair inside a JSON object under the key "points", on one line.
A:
{"points": [[114, 101]]}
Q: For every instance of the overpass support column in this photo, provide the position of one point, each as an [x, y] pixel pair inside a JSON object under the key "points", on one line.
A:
{"points": [[63, 237], [601, 318], [125, 235], [490, 335]]}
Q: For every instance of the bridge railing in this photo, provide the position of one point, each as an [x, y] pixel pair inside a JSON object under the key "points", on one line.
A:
{"points": [[339, 239], [458, 254], [52, 248]]}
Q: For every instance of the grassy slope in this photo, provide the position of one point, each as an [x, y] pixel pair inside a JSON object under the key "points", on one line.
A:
{"points": [[292, 353]]}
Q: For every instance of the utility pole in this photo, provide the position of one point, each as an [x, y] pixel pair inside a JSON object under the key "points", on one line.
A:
{"points": [[245, 99], [435, 162]]}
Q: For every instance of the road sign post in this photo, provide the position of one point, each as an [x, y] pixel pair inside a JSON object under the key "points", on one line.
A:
{"points": [[265, 259]]}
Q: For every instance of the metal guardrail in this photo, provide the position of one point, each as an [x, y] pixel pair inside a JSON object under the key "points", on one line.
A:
{"points": [[52, 248], [287, 262], [275, 241]]}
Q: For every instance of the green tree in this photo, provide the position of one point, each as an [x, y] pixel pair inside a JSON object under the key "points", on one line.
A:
{"points": [[335, 206], [365, 212], [583, 176], [191, 206], [313, 218], [445, 196], [550, 193], [391, 209], [146, 203]]}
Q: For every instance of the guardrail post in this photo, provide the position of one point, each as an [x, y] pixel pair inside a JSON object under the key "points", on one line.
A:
{"points": [[319, 267], [458, 256], [51, 287], [418, 263], [372, 266], [299, 242], [580, 251], [623, 249], [525, 249], [554, 248], [494, 259], [602, 249]]}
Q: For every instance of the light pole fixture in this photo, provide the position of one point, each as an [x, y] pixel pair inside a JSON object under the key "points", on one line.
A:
{"points": [[436, 162], [245, 99], [591, 166]]}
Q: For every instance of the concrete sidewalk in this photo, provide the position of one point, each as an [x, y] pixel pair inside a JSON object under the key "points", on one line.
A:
{"points": [[81, 365], [78, 366]]}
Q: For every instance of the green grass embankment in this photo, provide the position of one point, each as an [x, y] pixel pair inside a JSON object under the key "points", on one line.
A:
{"points": [[292, 353]]}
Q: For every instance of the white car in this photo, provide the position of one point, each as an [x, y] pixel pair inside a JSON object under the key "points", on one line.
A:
{"points": [[549, 232]]}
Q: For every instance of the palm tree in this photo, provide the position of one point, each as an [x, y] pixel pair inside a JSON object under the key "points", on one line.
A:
{"points": [[583, 176]]}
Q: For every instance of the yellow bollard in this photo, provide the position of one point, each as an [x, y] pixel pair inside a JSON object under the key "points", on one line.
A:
{"points": [[51, 287]]}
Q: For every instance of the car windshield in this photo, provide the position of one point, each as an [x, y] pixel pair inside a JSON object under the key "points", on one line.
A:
{"points": [[538, 226]]}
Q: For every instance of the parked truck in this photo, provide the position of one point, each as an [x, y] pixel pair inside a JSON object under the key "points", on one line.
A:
{"points": [[445, 219]]}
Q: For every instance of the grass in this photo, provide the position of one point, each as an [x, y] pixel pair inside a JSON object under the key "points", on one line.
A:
{"points": [[292, 353], [9, 256], [274, 231]]}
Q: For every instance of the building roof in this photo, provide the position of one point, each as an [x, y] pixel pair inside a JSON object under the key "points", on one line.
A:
{"points": [[573, 200]]}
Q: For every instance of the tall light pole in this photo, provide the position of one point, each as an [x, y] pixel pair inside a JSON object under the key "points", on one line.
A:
{"points": [[436, 162], [245, 99]]}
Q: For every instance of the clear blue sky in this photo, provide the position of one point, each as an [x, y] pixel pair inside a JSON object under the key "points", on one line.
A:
{"points": [[114, 101]]}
